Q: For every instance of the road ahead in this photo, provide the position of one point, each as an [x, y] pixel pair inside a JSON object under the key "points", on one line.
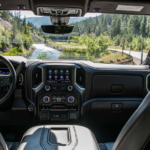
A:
{"points": [[133, 53]]}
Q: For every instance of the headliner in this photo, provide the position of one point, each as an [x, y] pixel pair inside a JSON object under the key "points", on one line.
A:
{"points": [[108, 6]]}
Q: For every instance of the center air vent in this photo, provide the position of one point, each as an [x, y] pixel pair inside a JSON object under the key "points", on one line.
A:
{"points": [[80, 77], [37, 77]]}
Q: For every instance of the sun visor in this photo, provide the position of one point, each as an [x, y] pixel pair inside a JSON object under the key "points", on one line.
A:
{"points": [[15, 5], [38, 5], [120, 7]]}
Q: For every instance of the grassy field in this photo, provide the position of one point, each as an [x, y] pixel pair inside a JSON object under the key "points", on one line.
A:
{"points": [[112, 57], [15, 53], [126, 49]]}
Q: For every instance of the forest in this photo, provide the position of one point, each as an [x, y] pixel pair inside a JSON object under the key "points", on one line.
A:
{"points": [[97, 34], [89, 40], [135, 29], [15, 33]]}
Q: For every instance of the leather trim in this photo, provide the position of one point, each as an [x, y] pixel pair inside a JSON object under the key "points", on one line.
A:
{"points": [[102, 146], [106, 146], [95, 140], [75, 136], [3, 145], [137, 129], [41, 138], [37, 138]]}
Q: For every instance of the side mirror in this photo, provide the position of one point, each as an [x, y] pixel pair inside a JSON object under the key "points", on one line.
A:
{"points": [[57, 29]]}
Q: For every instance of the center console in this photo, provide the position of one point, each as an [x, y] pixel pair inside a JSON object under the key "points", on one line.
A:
{"points": [[62, 137], [58, 95]]}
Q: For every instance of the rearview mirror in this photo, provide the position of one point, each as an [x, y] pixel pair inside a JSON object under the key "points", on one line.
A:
{"points": [[58, 29]]}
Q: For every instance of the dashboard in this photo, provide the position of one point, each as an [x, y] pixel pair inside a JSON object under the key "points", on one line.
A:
{"points": [[99, 96], [58, 95], [63, 91]]}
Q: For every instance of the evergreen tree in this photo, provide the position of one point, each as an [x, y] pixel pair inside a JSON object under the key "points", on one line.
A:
{"points": [[5, 15], [143, 26], [14, 30], [114, 28]]}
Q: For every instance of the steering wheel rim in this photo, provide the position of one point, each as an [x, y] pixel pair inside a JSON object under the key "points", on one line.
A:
{"points": [[13, 79]]}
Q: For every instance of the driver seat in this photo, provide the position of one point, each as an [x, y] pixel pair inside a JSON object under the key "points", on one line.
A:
{"points": [[8, 145]]}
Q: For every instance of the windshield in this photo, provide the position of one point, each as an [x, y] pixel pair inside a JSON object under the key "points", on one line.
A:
{"points": [[100, 38]]}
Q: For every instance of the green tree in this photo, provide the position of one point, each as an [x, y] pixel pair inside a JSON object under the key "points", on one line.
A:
{"points": [[5, 15], [143, 26]]}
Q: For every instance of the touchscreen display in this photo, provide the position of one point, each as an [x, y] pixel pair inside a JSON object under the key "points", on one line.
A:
{"points": [[58, 75]]}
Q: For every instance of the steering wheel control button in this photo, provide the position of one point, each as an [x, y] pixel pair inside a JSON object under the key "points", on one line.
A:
{"points": [[70, 99], [30, 108], [70, 88], [46, 99], [47, 87]]}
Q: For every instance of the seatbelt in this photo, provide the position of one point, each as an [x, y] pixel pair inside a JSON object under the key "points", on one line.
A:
{"points": [[3, 145]]}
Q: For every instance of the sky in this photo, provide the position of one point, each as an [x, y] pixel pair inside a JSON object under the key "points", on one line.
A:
{"points": [[31, 14]]}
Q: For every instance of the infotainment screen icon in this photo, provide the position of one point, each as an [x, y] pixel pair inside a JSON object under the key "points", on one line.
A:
{"points": [[58, 75]]}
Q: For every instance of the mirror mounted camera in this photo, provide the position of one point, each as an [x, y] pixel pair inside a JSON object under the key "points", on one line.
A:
{"points": [[57, 29], [59, 26]]}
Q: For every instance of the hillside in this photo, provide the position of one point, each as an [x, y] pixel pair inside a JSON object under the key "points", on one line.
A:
{"points": [[133, 29], [37, 39], [4, 24], [16, 35], [38, 21]]}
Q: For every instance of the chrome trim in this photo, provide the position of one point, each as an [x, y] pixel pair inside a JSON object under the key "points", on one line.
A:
{"points": [[79, 86]]}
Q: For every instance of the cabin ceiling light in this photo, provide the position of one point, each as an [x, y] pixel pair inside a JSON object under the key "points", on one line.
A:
{"points": [[129, 8]]}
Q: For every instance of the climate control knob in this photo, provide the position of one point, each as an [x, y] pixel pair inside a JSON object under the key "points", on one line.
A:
{"points": [[70, 99], [46, 99]]}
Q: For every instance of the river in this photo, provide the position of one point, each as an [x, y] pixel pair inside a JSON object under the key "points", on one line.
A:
{"points": [[54, 54], [41, 48]]}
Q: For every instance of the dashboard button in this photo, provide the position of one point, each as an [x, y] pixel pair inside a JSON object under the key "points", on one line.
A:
{"points": [[58, 99], [117, 106], [63, 116], [56, 116], [61, 71], [54, 87], [63, 87], [70, 88], [50, 71], [30, 108], [56, 71], [47, 87]]}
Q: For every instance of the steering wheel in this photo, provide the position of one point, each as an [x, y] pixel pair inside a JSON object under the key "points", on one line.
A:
{"points": [[8, 80]]}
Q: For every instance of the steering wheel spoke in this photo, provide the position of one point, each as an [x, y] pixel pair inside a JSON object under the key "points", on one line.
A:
{"points": [[5, 80]]}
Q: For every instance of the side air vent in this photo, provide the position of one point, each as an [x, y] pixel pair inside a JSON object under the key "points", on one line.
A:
{"points": [[37, 77], [80, 77]]}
